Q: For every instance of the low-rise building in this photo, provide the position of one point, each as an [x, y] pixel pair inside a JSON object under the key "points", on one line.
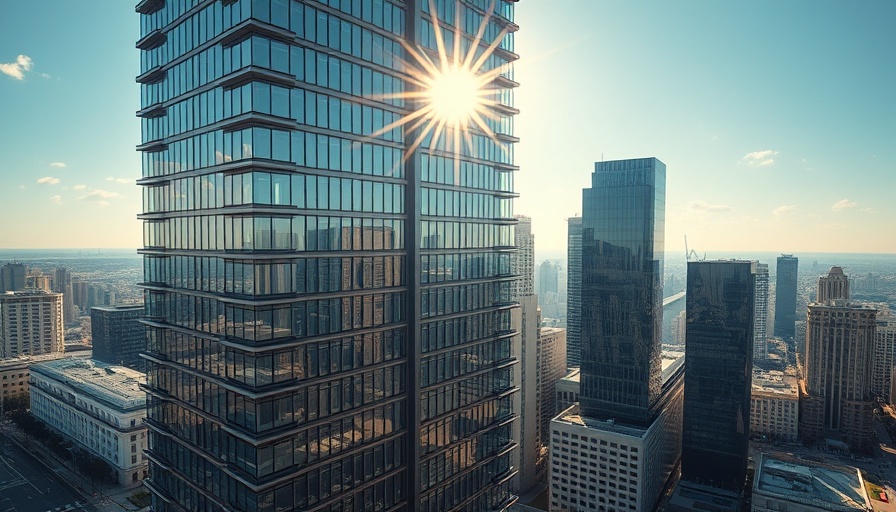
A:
{"points": [[15, 375], [775, 404], [566, 390], [797, 485], [99, 406]]}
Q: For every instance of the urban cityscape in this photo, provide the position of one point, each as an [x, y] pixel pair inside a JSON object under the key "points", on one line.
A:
{"points": [[434, 255]]}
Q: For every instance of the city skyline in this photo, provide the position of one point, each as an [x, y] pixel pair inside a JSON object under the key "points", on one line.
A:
{"points": [[777, 119]]}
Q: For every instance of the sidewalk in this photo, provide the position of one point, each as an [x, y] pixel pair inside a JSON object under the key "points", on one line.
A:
{"points": [[112, 499]]}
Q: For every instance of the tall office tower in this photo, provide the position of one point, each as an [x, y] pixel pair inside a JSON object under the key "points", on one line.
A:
{"points": [[525, 321], [629, 406], [785, 295], [340, 294], [551, 370], [623, 225], [12, 277], [839, 353], [760, 313], [574, 292], [717, 373], [548, 276], [31, 323], [62, 283], [118, 335], [884, 355], [523, 262]]}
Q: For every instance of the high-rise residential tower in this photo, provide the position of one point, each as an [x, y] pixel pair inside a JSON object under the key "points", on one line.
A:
{"points": [[785, 295], [760, 312], [839, 361], [328, 293], [118, 335], [717, 373], [574, 291], [884, 355], [31, 323]]}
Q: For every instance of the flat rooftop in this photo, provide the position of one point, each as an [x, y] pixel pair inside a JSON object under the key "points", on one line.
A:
{"points": [[573, 417], [115, 385], [775, 382], [826, 487]]}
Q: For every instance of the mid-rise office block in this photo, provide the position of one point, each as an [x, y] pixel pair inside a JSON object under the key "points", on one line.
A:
{"points": [[552, 369], [31, 323], [718, 369], [12, 277], [101, 407], [775, 404], [785, 295], [574, 292], [118, 335], [839, 354], [760, 313], [328, 292]]}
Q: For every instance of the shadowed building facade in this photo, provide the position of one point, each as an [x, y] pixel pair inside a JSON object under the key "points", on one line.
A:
{"points": [[785, 295], [718, 373], [328, 305]]}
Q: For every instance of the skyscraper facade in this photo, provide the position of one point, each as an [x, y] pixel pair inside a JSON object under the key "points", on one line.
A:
{"points": [[31, 323], [12, 277], [718, 371], [760, 312], [62, 283], [574, 292], [884, 355], [623, 226], [118, 336], [523, 262], [785, 295], [548, 274], [839, 363], [328, 303]]}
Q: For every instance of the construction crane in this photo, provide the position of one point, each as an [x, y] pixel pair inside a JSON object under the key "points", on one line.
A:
{"points": [[689, 253]]}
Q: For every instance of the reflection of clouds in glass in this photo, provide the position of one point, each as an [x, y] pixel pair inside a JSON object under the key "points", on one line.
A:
{"points": [[220, 157], [165, 167], [247, 150]]}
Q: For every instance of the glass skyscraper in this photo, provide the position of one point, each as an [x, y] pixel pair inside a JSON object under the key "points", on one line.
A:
{"points": [[328, 304], [785, 296], [718, 372], [623, 226], [574, 292]]}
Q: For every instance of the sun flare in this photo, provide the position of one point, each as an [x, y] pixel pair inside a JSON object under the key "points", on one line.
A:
{"points": [[451, 96]]}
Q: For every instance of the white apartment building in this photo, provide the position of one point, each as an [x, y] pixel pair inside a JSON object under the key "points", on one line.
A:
{"points": [[99, 406], [30, 323], [774, 404]]}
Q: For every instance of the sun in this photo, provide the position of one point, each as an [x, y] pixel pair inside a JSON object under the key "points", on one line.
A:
{"points": [[452, 96], [455, 95]]}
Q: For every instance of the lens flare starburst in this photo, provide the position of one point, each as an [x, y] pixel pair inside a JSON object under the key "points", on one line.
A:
{"points": [[452, 95]]}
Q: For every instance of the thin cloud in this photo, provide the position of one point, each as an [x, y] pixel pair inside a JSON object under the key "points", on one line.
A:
{"points": [[783, 210], [123, 181], [56, 199], [80, 187], [58, 165], [100, 195], [761, 158], [45, 75], [869, 209], [842, 205], [48, 180], [18, 68], [703, 206]]}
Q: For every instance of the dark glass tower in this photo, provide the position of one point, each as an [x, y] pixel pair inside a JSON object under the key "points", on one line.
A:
{"points": [[718, 373], [118, 335], [785, 296], [328, 304], [623, 224], [574, 292]]}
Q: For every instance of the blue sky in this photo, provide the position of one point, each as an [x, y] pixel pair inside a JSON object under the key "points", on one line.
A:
{"points": [[776, 120]]}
